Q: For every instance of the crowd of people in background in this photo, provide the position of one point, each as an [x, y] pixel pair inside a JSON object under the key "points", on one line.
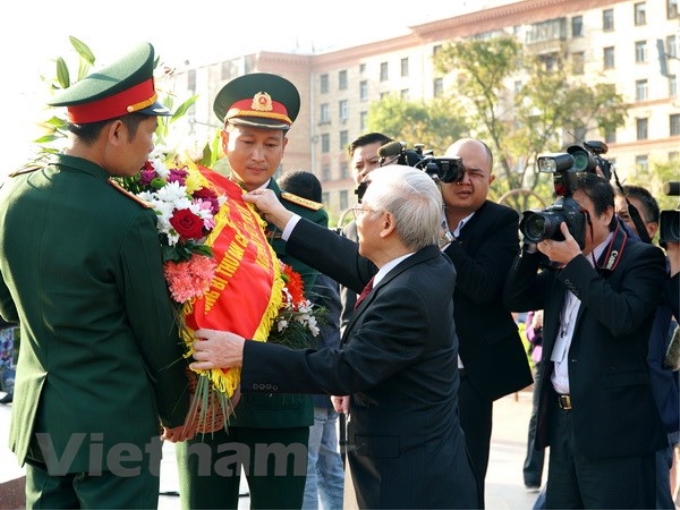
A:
{"points": [[418, 342]]}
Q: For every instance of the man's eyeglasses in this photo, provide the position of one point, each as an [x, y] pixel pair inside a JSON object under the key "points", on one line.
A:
{"points": [[360, 210]]}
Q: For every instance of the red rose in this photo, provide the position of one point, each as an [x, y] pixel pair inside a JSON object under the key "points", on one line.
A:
{"points": [[187, 224]]}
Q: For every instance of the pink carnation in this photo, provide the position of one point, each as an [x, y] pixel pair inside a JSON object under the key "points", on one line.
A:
{"points": [[191, 278]]}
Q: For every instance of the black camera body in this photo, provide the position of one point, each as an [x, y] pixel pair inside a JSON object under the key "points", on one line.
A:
{"points": [[589, 155], [669, 221], [545, 224], [440, 169]]}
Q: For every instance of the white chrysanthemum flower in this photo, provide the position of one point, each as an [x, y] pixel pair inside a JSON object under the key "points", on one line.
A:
{"points": [[160, 167], [175, 194], [281, 325]]}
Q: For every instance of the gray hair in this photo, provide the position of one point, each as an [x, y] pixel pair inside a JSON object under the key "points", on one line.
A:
{"points": [[413, 199]]}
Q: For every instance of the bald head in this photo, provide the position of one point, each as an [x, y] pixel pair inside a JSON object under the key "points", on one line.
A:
{"points": [[465, 144]]}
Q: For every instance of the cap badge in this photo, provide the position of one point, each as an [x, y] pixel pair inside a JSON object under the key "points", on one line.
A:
{"points": [[262, 102]]}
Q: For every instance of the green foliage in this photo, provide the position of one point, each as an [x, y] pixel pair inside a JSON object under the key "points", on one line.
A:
{"points": [[436, 124], [653, 180], [521, 122]]}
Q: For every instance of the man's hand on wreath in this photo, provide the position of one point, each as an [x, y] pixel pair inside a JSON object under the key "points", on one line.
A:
{"points": [[217, 349]]}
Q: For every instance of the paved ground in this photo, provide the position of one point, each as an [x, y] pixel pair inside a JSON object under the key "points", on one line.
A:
{"points": [[505, 487]]}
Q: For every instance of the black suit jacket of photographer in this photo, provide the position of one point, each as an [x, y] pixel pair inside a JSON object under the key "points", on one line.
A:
{"points": [[614, 413], [490, 346]]}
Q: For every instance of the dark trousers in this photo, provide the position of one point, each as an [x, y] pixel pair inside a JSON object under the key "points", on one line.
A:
{"points": [[575, 481], [533, 462], [274, 462], [476, 415], [82, 490]]}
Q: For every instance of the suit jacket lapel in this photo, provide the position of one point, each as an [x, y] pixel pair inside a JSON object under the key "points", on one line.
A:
{"points": [[426, 253]]}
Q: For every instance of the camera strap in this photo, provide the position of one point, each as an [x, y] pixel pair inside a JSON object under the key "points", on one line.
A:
{"points": [[611, 256], [633, 213]]}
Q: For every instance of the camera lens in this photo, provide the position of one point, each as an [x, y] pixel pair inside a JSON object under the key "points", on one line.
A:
{"points": [[581, 161], [539, 226]]}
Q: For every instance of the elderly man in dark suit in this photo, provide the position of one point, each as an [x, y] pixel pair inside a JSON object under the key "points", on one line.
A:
{"points": [[485, 241], [596, 410], [398, 358]]}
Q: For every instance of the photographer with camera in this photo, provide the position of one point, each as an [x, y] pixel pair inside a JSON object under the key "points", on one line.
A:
{"points": [[664, 381], [596, 411], [492, 359]]}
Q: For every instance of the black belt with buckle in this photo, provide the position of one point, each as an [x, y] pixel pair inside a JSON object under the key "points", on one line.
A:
{"points": [[564, 402]]}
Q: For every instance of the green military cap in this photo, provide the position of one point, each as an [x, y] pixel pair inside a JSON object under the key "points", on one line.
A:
{"points": [[259, 100], [126, 86]]}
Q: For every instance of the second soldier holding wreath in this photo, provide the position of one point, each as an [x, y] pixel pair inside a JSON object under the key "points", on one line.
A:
{"points": [[257, 110]]}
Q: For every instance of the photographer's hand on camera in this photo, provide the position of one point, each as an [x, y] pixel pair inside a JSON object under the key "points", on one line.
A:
{"points": [[561, 252]]}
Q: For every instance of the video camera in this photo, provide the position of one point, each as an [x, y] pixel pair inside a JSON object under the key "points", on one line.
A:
{"points": [[440, 169], [589, 155], [538, 226], [669, 221]]}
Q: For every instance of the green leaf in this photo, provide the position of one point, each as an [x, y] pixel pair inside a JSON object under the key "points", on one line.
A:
{"points": [[182, 109], [83, 49], [62, 74]]}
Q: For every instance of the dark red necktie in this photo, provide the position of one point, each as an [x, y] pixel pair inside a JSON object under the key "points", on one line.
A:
{"points": [[368, 288]]}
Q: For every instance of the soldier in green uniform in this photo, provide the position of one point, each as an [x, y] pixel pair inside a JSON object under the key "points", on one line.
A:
{"points": [[257, 110], [101, 365]]}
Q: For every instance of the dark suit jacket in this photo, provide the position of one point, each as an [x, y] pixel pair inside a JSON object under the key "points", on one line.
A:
{"points": [[614, 413], [282, 411], [398, 362], [82, 272], [490, 346]]}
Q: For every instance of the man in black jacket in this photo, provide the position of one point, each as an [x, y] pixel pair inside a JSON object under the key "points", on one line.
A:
{"points": [[596, 409], [492, 358]]}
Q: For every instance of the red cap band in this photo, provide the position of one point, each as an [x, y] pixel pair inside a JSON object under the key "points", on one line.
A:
{"points": [[128, 101]]}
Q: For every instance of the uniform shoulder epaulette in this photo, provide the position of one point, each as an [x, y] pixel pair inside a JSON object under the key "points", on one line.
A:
{"points": [[303, 202], [25, 170], [131, 196]]}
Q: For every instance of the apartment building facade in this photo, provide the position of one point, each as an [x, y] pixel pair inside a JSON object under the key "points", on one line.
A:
{"points": [[634, 44]]}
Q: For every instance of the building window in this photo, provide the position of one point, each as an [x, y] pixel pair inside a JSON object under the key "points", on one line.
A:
{"points": [[229, 70], [384, 71], [363, 121], [404, 94], [342, 80], [671, 9], [641, 52], [640, 13], [610, 136], [672, 86], [325, 143], [578, 61], [641, 127], [671, 47], [344, 202], [344, 170], [404, 67], [343, 107], [363, 90], [438, 87], [675, 124], [344, 139], [436, 49], [609, 57], [384, 95], [674, 156], [324, 83], [641, 90], [642, 164], [608, 20], [325, 114], [577, 26], [325, 172], [362, 68], [325, 196]]}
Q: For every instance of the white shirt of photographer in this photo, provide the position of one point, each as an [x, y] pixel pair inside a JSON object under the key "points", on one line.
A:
{"points": [[572, 304]]}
